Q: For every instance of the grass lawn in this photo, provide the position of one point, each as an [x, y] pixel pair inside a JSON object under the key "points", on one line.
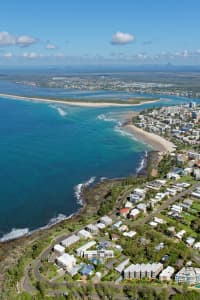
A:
{"points": [[188, 217], [196, 206]]}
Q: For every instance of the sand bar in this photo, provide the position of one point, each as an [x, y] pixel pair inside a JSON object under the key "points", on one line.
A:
{"points": [[75, 102], [157, 142]]}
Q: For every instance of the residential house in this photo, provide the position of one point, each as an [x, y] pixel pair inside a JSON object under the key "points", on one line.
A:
{"points": [[59, 250], [134, 213], [106, 220], [70, 240], [166, 274], [188, 275], [143, 270], [84, 234], [124, 212], [66, 261]]}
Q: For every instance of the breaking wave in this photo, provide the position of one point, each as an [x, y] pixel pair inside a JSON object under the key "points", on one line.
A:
{"points": [[106, 118], [142, 163], [60, 110], [14, 234], [119, 129], [18, 233], [78, 189]]}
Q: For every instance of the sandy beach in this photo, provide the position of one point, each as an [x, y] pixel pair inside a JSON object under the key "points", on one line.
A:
{"points": [[157, 142], [75, 102]]}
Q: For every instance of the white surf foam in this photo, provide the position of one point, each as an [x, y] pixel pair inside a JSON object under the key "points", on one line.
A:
{"points": [[18, 233], [142, 163], [59, 109], [14, 234], [78, 189], [106, 118], [103, 179], [123, 132], [55, 220]]}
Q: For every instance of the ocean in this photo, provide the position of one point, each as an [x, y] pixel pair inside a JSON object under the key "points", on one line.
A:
{"points": [[48, 150]]}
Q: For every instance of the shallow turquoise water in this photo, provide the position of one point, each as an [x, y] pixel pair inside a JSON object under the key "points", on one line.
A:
{"points": [[46, 150]]}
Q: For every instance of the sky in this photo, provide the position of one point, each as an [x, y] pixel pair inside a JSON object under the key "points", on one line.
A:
{"points": [[78, 32]]}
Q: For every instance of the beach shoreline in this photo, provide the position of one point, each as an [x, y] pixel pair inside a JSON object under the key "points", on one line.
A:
{"points": [[157, 142], [75, 102]]}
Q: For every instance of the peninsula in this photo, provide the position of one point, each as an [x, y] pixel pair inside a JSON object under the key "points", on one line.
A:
{"points": [[85, 102]]}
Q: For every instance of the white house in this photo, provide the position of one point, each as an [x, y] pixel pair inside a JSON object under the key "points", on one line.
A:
{"points": [[84, 234], [134, 213], [128, 204], [173, 175], [142, 207], [70, 240], [166, 274], [106, 220], [159, 220], [58, 249], [66, 261], [190, 241], [196, 193], [176, 209], [101, 226], [180, 234], [197, 246], [85, 247], [92, 228], [130, 234]]}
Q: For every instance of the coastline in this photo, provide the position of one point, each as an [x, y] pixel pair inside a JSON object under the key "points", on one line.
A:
{"points": [[157, 142], [77, 103]]}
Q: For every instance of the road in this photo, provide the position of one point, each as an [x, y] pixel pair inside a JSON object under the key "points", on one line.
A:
{"points": [[121, 199], [165, 205]]}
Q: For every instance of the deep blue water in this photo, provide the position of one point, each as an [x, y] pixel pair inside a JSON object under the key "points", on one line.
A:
{"points": [[46, 150]]}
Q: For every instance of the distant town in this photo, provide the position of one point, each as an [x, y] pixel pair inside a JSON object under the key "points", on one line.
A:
{"points": [[168, 83]]}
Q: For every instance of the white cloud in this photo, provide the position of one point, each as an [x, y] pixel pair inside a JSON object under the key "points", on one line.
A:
{"points": [[7, 39], [122, 38], [25, 40], [50, 46]]}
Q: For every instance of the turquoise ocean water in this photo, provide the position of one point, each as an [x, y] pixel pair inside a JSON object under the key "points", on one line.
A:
{"points": [[48, 150]]}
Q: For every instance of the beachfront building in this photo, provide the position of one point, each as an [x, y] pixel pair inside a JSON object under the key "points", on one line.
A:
{"points": [[80, 251], [84, 234], [166, 274], [59, 250], [70, 240], [66, 261], [143, 270], [188, 275]]}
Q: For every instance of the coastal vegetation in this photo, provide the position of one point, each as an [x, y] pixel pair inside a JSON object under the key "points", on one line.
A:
{"points": [[100, 101]]}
